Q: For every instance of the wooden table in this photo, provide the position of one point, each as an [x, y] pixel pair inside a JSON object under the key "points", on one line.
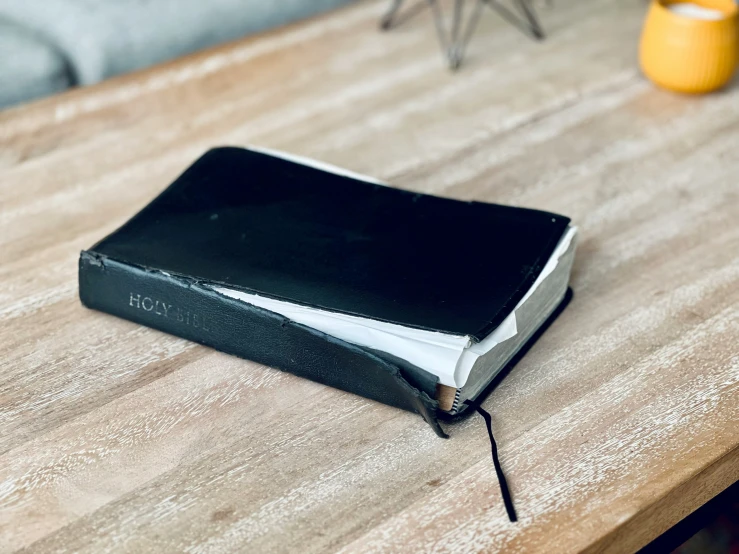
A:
{"points": [[618, 423]]}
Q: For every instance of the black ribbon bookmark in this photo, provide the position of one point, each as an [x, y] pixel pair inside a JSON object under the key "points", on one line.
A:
{"points": [[504, 490]]}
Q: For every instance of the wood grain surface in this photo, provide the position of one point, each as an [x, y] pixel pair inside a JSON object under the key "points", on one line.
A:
{"points": [[619, 422]]}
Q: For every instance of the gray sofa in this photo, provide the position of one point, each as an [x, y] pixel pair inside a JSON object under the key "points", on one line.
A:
{"points": [[49, 45]]}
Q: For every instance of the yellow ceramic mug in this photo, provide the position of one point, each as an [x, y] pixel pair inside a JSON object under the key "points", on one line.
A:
{"points": [[690, 54]]}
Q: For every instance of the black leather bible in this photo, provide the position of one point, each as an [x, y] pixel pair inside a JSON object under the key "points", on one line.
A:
{"points": [[405, 298]]}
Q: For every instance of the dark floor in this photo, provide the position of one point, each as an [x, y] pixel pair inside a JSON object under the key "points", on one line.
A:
{"points": [[712, 529]]}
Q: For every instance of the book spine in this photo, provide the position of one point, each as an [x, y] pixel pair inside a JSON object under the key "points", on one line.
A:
{"points": [[191, 310]]}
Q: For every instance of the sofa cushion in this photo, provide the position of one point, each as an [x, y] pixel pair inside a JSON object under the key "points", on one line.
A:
{"points": [[101, 38], [29, 68]]}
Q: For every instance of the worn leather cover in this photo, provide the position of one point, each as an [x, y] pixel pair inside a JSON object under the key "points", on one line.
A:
{"points": [[254, 222], [189, 309], [258, 223]]}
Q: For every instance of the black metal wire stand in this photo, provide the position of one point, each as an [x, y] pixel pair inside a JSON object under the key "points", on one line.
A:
{"points": [[454, 43]]}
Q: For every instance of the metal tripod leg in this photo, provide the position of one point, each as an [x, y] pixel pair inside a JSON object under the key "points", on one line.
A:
{"points": [[529, 26], [393, 18], [454, 46], [459, 45]]}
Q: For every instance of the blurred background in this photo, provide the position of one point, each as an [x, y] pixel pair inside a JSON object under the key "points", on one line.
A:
{"points": [[47, 46]]}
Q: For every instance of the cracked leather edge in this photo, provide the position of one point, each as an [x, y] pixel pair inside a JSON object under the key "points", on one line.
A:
{"points": [[106, 284]]}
